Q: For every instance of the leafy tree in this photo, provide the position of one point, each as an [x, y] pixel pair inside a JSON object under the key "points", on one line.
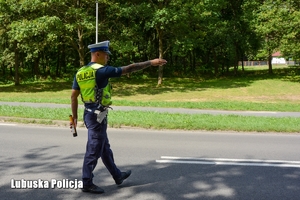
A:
{"points": [[46, 30], [196, 37], [291, 37], [272, 18], [26, 37], [228, 33], [147, 21], [10, 56]]}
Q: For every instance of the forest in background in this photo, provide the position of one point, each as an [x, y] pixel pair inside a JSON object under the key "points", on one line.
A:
{"points": [[48, 38]]}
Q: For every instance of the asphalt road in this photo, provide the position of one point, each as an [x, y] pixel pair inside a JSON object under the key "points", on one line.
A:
{"points": [[166, 165], [170, 110]]}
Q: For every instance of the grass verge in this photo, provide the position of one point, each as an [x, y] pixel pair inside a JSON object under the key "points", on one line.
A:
{"points": [[254, 90], [155, 120]]}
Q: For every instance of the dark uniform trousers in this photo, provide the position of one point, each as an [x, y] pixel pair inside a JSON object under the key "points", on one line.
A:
{"points": [[97, 146]]}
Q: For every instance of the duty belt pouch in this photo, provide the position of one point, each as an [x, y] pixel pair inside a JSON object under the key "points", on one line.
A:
{"points": [[101, 115]]}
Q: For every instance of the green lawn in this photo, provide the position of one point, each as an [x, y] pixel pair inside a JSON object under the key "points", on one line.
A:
{"points": [[255, 91], [155, 120]]}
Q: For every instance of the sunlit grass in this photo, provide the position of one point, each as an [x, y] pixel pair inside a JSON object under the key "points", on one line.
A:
{"points": [[255, 90], [155, 120], [238, 93]]}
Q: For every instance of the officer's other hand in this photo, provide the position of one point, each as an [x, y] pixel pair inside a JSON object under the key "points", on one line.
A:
{"points": [[158, 62]]}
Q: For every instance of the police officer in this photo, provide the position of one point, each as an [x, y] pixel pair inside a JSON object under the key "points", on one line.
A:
{"points": [[92, 83]]}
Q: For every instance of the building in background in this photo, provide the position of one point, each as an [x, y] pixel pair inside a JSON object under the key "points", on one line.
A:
{"points": [[278, 59]]}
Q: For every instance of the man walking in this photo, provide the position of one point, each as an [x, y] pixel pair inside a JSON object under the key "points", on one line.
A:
{"points": [[92, 83]]}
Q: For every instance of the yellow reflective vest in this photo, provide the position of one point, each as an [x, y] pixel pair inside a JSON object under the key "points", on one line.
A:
{"points": [[90, 93]]}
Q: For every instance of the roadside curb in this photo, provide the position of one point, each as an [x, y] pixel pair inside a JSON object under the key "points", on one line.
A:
{"points": [[48, 122], [32, 121]]}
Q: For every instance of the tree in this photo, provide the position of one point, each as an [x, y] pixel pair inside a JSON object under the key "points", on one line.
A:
{"points": [[196, 37], [9, 11], [155, 19], [46, 31], [291, 39], [27, 36], [272, 17]]}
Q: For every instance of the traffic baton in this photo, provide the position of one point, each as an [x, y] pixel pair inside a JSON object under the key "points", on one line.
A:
{"points": [[73, 126]]}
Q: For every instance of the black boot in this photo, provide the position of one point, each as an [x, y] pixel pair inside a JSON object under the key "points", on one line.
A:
{"points": [[124, 175], [92, 189]]}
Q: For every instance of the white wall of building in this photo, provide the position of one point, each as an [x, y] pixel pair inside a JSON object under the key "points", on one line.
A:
{"points": [[278, 61]]}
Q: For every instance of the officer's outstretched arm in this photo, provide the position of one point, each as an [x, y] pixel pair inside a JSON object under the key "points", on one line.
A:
{"points": [[142, 65]]}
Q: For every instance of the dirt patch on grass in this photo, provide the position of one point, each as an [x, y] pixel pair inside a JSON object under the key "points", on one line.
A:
{"points": [[269, 99]]}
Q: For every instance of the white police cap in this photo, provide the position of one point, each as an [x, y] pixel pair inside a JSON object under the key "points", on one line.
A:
{"points": [[101, 46]]}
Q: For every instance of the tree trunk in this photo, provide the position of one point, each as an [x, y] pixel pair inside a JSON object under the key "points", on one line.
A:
{"points": [[216, 67], [17, 64], [11, 72], [63, 65], [243, 67], [80, 47], [36, 70], [194, 60], [160, 49], [3, 69], [58, 66], [270, 64]]}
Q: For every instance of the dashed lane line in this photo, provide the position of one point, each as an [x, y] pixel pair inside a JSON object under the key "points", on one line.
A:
{"points": [[227, 161]]}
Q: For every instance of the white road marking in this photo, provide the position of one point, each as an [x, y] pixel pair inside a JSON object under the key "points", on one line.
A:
{"points": [[7, 124], [229, 160], [226, 161]]}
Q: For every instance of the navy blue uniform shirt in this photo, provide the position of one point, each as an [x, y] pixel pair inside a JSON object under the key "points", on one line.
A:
{"points": [[102, 76]]}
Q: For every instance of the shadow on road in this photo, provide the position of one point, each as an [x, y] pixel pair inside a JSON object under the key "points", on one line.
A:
{"points": [[148, 181]]}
